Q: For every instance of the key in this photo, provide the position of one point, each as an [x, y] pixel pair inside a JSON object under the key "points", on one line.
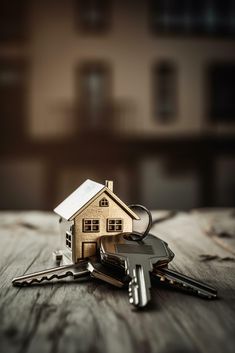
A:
{"points": [[92, 268], [178, 280], [137, 258], [74, 270]]}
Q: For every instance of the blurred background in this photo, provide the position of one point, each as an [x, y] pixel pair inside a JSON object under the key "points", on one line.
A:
{"points": [[140, 92]]}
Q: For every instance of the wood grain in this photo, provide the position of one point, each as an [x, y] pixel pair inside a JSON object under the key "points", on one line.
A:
{"points": [[91, 316]]}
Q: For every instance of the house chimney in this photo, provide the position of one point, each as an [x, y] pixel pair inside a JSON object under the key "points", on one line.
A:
{"points": [[109, 184]]}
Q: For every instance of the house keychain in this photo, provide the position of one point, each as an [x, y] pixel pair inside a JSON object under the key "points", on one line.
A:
{"points": [[99, 242], [89, 212]]}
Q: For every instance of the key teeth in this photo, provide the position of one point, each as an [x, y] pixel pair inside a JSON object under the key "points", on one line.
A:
{"points": [[192, 290], [185, 286], [32, 281], [23, 283], [131, 299]]}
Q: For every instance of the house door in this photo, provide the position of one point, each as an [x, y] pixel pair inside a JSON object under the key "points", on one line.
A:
{"points": [[89, 248]]}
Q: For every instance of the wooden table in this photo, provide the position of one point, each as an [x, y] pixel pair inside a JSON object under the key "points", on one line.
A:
{"points": [[91, 316]]}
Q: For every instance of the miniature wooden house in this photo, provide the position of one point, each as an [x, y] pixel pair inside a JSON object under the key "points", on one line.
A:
{"points": [[90, 211]]}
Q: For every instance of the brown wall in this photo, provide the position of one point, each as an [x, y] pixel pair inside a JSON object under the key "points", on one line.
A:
{"points": [[46, 154], [57, 48]]}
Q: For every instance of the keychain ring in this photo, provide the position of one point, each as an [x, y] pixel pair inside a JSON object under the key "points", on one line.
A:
{"points": [[142, 236]]}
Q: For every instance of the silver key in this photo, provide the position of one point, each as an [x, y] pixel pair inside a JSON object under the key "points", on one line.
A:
{"points": [[178, 280], [91, 267], [137, 257], [74, 270]]}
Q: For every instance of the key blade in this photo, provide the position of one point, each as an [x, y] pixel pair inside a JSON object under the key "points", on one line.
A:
{"points": [[73, 270], [139, 287], [185, 282]]}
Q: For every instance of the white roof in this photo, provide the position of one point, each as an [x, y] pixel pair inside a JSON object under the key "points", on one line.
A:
{"points": [[82, 195], [74, 202]]}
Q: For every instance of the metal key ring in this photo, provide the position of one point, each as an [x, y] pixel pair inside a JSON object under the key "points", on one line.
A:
{"points": [[142, 236]]}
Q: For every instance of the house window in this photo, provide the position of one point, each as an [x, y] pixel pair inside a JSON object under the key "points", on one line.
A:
{"points": [[221, 92], [13, 88], [104, 202], [69, 240], [94, 96], [200, 17], [164, 91], [91, 225], [93, 16], [114, 225]]}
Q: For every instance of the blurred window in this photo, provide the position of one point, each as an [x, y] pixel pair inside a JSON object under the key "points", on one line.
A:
{"points": [[94, 95], [69, 240], [193, 17], [164, 91], [93, 16], [13, 96], [13, 20], [221, 83]]}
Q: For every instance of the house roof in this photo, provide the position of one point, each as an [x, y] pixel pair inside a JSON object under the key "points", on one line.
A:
{"points": [[83, 196]]}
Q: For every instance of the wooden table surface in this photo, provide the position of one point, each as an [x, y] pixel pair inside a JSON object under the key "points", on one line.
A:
{"points": [[92, 316]]}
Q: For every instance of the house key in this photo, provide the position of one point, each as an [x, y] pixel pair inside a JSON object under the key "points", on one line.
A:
{"points": [[74, 270], [92, 267], [138, 259]]}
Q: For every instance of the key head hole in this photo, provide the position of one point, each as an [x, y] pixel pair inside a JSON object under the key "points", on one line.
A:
{"points": [[142, 233]]}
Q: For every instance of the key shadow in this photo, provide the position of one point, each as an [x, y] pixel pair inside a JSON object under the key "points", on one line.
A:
{"points": [[152, 306]]}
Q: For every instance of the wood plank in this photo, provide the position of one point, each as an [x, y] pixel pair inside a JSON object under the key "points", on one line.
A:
{"points": [[91, 316]]}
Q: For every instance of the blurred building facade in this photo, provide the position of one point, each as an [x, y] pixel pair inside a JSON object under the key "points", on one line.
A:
{"points": [[141, 92]]}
